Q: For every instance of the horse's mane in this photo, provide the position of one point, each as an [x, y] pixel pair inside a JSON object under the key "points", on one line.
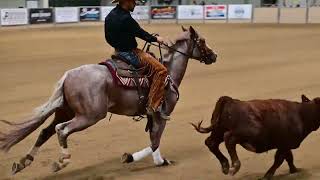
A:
{"points": [[174, 44]]}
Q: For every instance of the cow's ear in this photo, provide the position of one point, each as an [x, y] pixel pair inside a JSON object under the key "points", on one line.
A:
{"points": [[304, 98]]}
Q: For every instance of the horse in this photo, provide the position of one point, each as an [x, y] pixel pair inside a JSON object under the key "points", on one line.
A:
{"points": [[84, 95]]}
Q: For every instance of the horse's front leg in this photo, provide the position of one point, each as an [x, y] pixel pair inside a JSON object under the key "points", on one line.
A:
{"points": [[155, 137]]}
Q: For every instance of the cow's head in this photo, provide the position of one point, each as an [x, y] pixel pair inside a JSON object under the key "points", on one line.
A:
{"points": [[305, 99]]}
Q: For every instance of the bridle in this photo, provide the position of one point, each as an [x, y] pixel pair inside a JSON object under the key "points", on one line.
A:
{"points": [[196, 43]]}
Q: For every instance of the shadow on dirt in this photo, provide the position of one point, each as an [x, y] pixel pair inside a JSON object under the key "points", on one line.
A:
{"points": [[303, 174]]}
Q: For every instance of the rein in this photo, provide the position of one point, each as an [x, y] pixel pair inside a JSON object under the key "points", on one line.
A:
{"points": [[194, 44]]}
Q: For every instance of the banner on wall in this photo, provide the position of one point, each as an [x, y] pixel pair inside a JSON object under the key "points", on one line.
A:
{"points": [[295, 3], [89, 13], [105, 10], [140, 13], [14, 17], [240, 11], [163, 12], [215, 12], [40, 15], [66, 14], [190, 12]]}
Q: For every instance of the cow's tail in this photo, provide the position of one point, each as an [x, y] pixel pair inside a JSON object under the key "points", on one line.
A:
{"points": [[215, 116], [22, 130]]}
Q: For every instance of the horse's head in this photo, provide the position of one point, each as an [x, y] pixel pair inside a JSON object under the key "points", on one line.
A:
{"points": [[199, 48]]}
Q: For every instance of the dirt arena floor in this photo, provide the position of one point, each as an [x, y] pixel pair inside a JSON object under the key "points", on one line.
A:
{"points": [[255, 61]]}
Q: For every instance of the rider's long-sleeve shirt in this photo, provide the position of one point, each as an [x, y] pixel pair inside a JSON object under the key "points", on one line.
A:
{"points": [[121, 29]]}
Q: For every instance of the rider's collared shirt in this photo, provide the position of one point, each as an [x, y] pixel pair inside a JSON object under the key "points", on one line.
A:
{"points": [[121, 30]]}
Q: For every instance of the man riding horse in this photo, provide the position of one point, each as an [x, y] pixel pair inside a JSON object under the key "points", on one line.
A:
{"points": [[120, 32]]}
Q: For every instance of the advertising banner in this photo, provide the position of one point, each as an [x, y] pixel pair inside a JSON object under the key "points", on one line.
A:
{"points": [[215, 12], [66, 14], [295, 3], [240, 11], [140, 13], [14, 16], [163, 12], [190, 12], [105, 10], [89, 13], [40, 15]]}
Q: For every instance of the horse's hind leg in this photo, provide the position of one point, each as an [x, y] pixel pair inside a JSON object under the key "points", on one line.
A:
{"points": [[231, 142], [44, 136], [213, 142], [65, 129]]}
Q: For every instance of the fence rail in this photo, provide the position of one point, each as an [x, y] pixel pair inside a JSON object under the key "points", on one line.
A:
{"points": [[203, 14]]}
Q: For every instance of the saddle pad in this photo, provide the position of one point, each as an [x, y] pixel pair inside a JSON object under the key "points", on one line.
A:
{"points": [[128, 82]]}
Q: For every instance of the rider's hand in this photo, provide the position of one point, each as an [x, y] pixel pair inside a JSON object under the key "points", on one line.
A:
{"points": [[160, 40]]}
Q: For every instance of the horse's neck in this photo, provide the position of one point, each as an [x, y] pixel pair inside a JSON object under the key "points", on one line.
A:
{"points": [[177, 63]]}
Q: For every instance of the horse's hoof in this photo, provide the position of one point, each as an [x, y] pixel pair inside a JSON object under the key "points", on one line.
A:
{"points": [[16, 167], [127, 158], [166, 162], [55, 167]]}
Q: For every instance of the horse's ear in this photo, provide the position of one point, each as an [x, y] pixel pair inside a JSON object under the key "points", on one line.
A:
{"points": [[304, 98], [193, 32], [183, 29]]}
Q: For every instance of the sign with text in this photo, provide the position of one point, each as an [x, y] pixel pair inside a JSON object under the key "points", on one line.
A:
{"points": [[240, 11], [89, 13], [14, 17], [215, 12], [140, 13], [40, 15], [190, 12], [66, 14], [163, 12]]}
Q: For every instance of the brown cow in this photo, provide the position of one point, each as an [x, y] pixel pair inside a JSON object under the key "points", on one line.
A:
{"points": [[259, 126]]}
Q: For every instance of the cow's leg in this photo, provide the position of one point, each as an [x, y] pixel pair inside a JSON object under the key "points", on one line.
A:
{"points": [[278, 160], [231, 142], [289, 159], [44, 135], [213, 142]]}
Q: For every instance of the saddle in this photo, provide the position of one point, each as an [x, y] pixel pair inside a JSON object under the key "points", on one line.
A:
{"points": [[125, 74], [126, 70]]}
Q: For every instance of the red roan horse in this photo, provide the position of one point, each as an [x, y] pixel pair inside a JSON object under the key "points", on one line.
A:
{"points": [[259, 126], [84, 96]]}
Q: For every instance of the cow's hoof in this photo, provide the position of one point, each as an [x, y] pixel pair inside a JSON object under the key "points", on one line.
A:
{"points": [[234, 169], [293, 170], [55, 167], [127, 158], [16, 167], [225, 168]]}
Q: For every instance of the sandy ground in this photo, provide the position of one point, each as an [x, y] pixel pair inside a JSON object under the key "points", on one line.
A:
{"points": [[255, 61]]}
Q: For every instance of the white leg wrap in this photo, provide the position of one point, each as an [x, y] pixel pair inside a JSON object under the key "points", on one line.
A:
{"points": [[33, 151], [157, 159], [142, 154]]}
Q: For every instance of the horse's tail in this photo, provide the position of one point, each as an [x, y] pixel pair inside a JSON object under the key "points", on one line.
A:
{"points": [[41, 113], [215, 116]]}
